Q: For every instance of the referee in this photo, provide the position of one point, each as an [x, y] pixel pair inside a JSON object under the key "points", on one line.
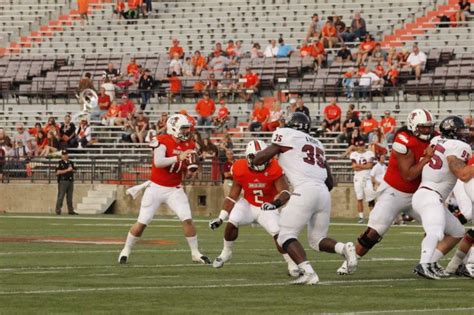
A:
{"points": [[65, 174]]}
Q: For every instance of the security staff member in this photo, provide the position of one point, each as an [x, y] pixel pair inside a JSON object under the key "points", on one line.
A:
{"points": [[65, 174]]}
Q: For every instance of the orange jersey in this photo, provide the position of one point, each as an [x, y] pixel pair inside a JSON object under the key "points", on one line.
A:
{"points": [[259, 187], [170, 176]]}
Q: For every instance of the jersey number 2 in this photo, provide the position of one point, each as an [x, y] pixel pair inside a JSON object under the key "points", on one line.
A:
{"points": [[314, 155], [436, 163], [257, 194]]}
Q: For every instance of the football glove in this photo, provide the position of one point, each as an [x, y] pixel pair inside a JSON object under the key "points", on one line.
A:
{"points": [[268, 206], [214, 224]]}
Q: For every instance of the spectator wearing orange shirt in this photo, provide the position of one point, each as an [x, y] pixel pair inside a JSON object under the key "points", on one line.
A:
{"points": [[132, 68], [388, 125], [318, 52], [133, 7], [222, 115], [392, 75], [108, 119], [199, 62], [103, 105], [276, 114], [250, 85], [332, 117], [175, 49], [119, 9], [83, 8], [365, 49], [175, 85], [230, 49], [329, 34], [205, 108], [305, 49], [368, 127], [260, 116]]}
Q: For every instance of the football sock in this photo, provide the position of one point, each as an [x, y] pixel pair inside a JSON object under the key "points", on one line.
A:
{"points": [[428, 246], [193, 245], [339, 248], [456, 260], [437, 255], [130, 242], [306, 266], [361, 215], [289, 261]]}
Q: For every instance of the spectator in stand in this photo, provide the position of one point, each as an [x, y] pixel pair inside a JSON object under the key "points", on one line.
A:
{"points": [[53, 145], [300, 107], [176, 65], [238, 51], [392, 75], [464, 12], [392, 56], [260, 116], [141, 127], [148, 7], [332, 117], [41, 143], [126, 108], [5, 140], [230, 49], [388, 125], [133, 8], [119, 9], [339, 24], [205, 108], [256, 51], [378, 55], [145, 84], [67, 132], [284, 50], [416, 61], [305, 49], [51, 124], [227, 171], [128, 129], [103, 105], [314, 27], [161, 124], [211, 84], [109, 88], [226, 86], [34, 131], [351, 123], [83, 134], [368, 82], [329, 34], [276, 114], [86, 83], [271, 50], [112, 117], [379, 70], [218, 51], [368, 127], [198, 88], [222, 115], [290, 109], [318, 52], [250, 84], [365, 49], [175, 86], [199, 62], [188, 67], [83, 8], [357, 30], [344, 54], [218, 63], [348, 82], [175, 49], [379, 144], [132, 68], [402, 57], [111, 73]]}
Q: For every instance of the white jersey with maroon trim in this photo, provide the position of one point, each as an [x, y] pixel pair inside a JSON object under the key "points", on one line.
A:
{"points": [[304, 161], [362, 159], [436, 175]]}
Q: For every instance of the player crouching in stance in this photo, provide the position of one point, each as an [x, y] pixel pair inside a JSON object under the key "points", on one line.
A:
{"points": [[362, 163], [261, 184], [171, 154], [438, 180], [302, 159]]}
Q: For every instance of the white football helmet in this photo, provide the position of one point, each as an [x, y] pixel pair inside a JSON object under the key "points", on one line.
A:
{"points": [[175, 125], [420, 118], [252, 148]]}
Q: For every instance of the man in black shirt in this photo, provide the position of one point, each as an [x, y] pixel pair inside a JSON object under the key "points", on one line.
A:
{"points": [[145, 84], [348, 126], [67, 132], [112, 73], [300, 106], [344, 54], [65, 174]]}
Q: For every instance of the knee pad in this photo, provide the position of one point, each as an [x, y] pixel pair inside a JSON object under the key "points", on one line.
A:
{"points": [[372, 203], [287, 243], [367, 241], [314, 244]]}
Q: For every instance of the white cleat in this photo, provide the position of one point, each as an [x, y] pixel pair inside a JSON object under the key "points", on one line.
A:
{"points": [[201, 259], [351, 257], [123, 257], [306, 279], [439, 270], [342, 271], [294, 272], [219, 261]]}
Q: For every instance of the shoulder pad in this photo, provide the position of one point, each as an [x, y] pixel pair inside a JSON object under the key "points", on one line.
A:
{"points": [[400, 148]]}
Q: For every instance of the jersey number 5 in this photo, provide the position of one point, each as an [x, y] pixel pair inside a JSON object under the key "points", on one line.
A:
{"points": [[436, 163], [314, 155]]}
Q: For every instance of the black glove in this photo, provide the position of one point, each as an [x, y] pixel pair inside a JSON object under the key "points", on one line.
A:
{"points": [[214, 224]]}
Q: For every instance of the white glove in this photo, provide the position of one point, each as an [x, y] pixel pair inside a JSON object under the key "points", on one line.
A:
{"points": [[268, 206]]}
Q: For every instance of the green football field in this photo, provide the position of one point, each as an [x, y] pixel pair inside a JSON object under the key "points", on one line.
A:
{"points": [[63, 264]]}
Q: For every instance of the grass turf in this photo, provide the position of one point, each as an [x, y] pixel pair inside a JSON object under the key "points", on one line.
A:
{"points": [[58, 277]]}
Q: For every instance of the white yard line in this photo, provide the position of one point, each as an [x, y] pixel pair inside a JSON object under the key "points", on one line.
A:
{"points": [[458, 309]]}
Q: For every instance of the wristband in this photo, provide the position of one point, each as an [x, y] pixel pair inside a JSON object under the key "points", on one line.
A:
{"points": [[230, 199], [223, 215]]}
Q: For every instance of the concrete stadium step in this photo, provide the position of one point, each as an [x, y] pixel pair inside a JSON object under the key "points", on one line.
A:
{"points": [[98, 200]]}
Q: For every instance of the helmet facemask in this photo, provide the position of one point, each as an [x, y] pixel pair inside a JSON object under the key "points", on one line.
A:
{"points": [[424, 131]]}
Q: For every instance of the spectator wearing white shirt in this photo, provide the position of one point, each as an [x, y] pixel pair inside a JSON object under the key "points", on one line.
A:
{"points": [[271, 50], [378, 171], [109, 88], [417, 60], [369, 81], [219, 63], [176, 65]]}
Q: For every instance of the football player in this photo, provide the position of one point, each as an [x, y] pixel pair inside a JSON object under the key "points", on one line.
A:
{"points": [[171, 153], [362, 162], [438, 180], [410, 152], [265, 190], [303, 160]]}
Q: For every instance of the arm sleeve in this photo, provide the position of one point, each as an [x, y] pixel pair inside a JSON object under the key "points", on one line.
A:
{"points": [[159, 157]]}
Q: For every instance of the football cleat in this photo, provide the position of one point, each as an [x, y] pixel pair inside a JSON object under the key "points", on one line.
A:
{"points": [[465, 270], [342, 271], [123, 257], [202, 260], [439, 270], [294, 272], [425, 271], [219, 261], [360, 221], [306, 279], [351, 257]]}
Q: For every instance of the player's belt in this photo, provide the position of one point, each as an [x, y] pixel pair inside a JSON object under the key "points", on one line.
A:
{"points": [[424, 187]]}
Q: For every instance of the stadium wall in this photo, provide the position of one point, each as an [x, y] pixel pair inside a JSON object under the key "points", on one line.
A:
{"points": [[41, 198]]}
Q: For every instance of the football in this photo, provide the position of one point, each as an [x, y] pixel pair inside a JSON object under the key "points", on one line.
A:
{"points": [[192, 162]]}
